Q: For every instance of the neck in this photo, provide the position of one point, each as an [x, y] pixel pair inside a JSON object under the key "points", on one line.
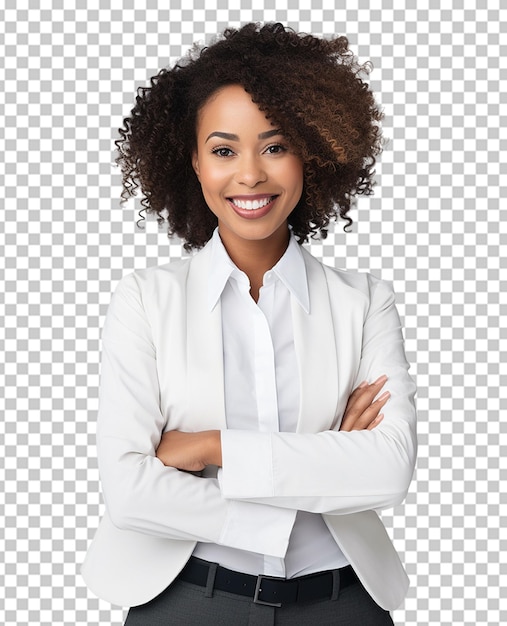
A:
{"points": [[256, 257]]}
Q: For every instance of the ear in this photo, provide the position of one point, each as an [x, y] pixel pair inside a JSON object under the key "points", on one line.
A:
{"points": [[195, 163]]}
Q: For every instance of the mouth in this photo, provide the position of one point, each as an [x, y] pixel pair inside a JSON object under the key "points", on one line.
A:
{"points": [[244, 203]]}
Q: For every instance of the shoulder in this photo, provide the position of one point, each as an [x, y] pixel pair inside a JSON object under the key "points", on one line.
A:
{"points": [[165, 279], [360, 284], [172, 272], [146, 283]]}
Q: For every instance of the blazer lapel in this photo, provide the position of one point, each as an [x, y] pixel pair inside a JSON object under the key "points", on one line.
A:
{"points": [[315, 345], [205, 380]]}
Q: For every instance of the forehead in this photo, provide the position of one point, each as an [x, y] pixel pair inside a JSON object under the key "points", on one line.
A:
{"points": [[231, 108]]}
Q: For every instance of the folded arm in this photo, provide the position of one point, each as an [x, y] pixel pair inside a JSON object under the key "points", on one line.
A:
{"points": [[337, 472], [367, 464], [193, 451], [141, 493]]}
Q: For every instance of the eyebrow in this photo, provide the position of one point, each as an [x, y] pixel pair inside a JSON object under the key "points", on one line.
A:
{"points": [[232, 137]]}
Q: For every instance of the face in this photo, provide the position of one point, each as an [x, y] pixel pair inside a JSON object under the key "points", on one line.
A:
{"points": [[250, 178]]}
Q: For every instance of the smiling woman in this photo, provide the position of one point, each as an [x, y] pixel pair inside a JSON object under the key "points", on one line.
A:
{"points": [[310, 89], [245, 438], [251, 182]]}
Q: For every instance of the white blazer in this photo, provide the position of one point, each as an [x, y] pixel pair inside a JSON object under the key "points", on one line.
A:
{"points": [[162, 369]]}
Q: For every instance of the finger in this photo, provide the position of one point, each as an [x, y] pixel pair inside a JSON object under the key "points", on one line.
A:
{"points": [[363, 395], [379, 382], [360, 399], [360, 403], [366, 386], [371, 412], [359, 421], [375, 422]]}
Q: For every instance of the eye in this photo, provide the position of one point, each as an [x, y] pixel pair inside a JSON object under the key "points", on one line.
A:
{"points": [[222, 152], [276, 148]]}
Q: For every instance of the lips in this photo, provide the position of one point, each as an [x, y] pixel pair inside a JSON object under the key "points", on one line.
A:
{"points": [[251, 203], [252, 207]]}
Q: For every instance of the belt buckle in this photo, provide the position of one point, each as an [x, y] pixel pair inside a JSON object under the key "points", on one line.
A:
{"points": [[258, 589]]}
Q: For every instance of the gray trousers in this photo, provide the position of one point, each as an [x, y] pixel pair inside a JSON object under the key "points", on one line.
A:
{"points": [[186, 604]]}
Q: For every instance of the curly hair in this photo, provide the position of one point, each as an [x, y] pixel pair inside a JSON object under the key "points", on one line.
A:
{"points": [[311, 88]]}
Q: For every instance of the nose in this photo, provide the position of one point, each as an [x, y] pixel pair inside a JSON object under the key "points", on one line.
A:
{"points": [[250, 171]]}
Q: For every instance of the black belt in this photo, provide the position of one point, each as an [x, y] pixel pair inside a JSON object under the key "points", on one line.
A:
{"points": [[268, 589]]}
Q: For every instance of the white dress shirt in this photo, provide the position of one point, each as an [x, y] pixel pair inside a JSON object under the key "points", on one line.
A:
{"points": [[261, 383]]}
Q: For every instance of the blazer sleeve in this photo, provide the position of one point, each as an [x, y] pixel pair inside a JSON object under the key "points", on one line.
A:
{"points": [[337, 472], [140, 493]]}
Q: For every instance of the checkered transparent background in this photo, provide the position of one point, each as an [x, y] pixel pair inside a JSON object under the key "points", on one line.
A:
{"points": [[434, 228]]}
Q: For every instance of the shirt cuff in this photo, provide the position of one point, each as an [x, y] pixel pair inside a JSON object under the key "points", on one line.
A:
{"points": [[247, 470], [246, 473], [257, 528]]}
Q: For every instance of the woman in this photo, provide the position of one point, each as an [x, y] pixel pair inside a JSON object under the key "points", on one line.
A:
{"points": [[244, 442]]}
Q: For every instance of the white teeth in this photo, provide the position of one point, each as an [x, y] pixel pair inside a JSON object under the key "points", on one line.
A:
{"points": [[251, 205]]}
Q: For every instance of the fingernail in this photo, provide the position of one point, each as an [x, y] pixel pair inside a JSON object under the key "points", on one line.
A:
{"points": [[363, 384], [385, 395], [381, 378], [379, 417]]}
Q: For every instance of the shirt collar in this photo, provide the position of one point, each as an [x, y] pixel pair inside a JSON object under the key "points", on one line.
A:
{"points": [[221, 269], [290, 269]]}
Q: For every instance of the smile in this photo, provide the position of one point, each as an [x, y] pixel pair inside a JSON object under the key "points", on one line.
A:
{"points": [[251, 205]]}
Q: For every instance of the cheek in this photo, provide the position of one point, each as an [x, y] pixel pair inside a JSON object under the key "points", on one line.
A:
{"points": [[296, 175], [212, 186], [211, 177]]}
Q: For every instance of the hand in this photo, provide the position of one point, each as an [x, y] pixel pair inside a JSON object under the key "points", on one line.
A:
{"points": [[191, 452], [361, 412]]}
